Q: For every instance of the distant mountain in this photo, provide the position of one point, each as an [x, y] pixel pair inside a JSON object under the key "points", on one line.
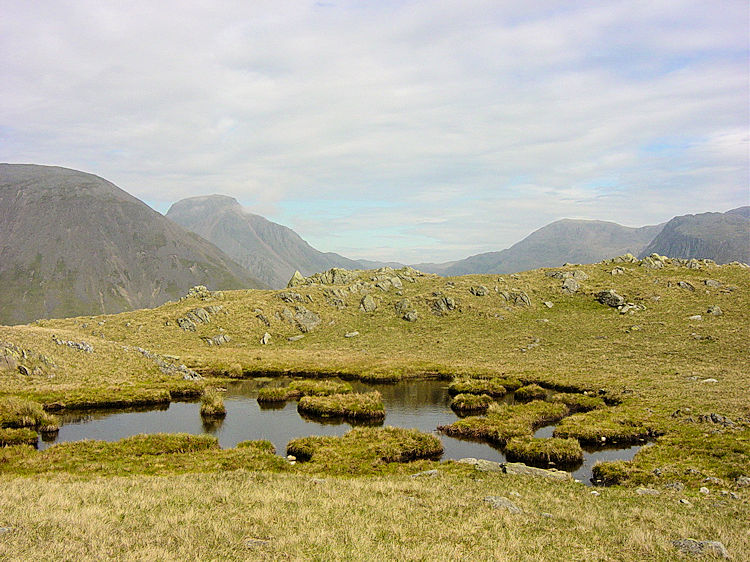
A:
{"points": [[72, 243], [722, 237], [567, 240], [270, 251]]}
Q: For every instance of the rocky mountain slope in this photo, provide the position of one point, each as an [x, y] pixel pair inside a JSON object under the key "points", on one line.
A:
{"points": [[270, 251], [722, 237], [567, 240], [72, 243]]}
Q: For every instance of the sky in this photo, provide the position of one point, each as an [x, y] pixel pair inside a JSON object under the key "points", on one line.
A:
{"points": [[409, 131]]}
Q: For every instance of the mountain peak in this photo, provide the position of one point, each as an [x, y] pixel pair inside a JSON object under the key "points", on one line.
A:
{"points": [[204, 204]]}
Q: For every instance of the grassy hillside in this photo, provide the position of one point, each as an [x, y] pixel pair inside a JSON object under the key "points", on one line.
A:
{"points": [[657, 366]]}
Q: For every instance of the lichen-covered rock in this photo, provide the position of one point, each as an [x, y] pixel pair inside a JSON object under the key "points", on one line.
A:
{"points": [[443, 305], [610, 298], [410, 316], [479, 291], [296, 280], [701, 548], [501, 502], [570, 286], [368, 304], [306, 319]]}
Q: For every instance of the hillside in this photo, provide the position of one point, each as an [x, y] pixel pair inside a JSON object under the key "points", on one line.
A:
{"points": [[722, 237], [567, 240], [72, 243], [270, 251]]}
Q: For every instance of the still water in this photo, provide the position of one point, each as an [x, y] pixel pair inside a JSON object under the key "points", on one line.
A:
{"points": [[415, 404]]}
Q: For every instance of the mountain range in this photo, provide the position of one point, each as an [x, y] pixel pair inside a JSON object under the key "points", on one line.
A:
{"points": [[72, 243]]}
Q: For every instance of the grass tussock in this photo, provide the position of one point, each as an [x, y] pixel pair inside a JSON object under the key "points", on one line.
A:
{"points": [[355, 406], [545, 452], [491, 387], [619, 424], [579, 402], [19, 436], [466, 403], [18, 412], [212, 404], [297, 389], [504, 422], [365, 449], [530, 392]]}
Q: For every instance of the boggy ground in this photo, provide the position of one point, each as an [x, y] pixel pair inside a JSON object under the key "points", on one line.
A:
{"points": [[649, 366]]}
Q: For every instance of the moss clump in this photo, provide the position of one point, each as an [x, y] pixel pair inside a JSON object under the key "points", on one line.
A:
{"points": [[21, 436], [355, 406], [544, 452], [579, 402], [471, 402], [260, 445], [273, 394], [18, 412], [110, 397], [212, 404], [609, 425], [530, 392], [491, 387], [318, 388], [503, 422], [365, 449]]}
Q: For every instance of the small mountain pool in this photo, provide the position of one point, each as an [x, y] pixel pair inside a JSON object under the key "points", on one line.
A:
{"points": [[421, 404]]}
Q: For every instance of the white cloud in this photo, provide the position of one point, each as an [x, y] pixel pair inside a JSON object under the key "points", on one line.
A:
{"points": [[480, 120]]}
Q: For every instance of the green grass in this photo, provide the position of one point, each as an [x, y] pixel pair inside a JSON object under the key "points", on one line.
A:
{"points": [[490, 387], [579, 402], [212, 404], [504, 422], [465, 403], [354, 406], [530, 392], [18, 412], [608, 426], [20, 436], [544, 452], [297, 389]]}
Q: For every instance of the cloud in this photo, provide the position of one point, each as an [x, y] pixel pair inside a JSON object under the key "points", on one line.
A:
{"points": [[415, 130]]}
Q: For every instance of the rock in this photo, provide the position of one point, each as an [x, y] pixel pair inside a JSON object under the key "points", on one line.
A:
{"points": [[217, 340], [500, 502], [570, 286], [685, 285], [480, 291], [482, 465], [402, 306], [696, 317], [186, 324], [548, 304], [677, 486], [610, 298], [714, 310], [264, 320], [426, 473], [368, 304], [295, 338], [595, 493], [8, 362], [296, 280], [711, 381], [443, 305], [4, 530], [290, 296], [306, 319], [520, 468], [254, 543], [742, 481], [266, 339], [625, 258], [683, 501], [701, 548], [617, 271], [712, 283], [647, 492], [520, 298], [410, 316], [704, 490], [24, 370], [351, 334]]}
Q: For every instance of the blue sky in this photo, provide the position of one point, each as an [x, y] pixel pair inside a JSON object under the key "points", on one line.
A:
{"points": [[410, 131]]}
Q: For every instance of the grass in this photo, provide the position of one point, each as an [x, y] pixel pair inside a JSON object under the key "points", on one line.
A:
{"points": [[364, 450], [20, 436], [530, 392], [297, 389], [354, 406], [579, 402], [490, 387], [544, 452], [19, 412], [212, 404], [609, 425], [465, 403], [504, 422]]}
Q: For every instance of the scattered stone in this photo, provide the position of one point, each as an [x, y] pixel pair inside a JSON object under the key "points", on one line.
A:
{"points": [[617, 271], [305, 319], [570, 286], [711, 381], [700, 548], [683, 501], [410, 316], [443, 305], [647, 492], [482, 465], [501, 502], [704, 490], [480, 291], [4, 530], [548, 304], [714, 310], [264, 320], [677, 486], [254, 543], [217, 340], [368, 304], [520, 468], [8, 362], [295, 338], [426, 473], [79, 345], [290, 296], [24, 370], [713, 480], [266, 339], [351, 334], [402, 306], [696, 317], [610, 298], [712, 283], [716, 418], [685, 285], [742, 481], [520, 298], [545, 514], [291, 458], [595, 493]]}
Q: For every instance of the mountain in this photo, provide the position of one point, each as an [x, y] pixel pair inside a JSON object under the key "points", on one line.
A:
{"points": [[72, 243], [722, 237], [566, 240], [270, 251]]}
